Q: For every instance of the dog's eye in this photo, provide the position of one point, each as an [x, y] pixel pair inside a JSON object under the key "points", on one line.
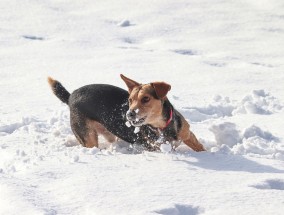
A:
{"points": [[130, 101], [145, 99]]}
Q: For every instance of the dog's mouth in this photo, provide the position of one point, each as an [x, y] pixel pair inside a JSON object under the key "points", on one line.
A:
{"points": [[138, 122]]}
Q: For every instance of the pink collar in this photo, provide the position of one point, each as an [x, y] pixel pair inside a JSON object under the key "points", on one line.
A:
{"points": [[169, 120]]}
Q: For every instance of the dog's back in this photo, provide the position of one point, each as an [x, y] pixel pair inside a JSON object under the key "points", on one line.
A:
{"points": [[105, 104], [96, 108]]}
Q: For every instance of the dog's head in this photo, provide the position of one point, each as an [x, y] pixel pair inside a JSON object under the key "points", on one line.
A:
{"points": [[146, 102]]}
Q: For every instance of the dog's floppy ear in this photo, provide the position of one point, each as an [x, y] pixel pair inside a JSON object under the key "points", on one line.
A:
{"points": [[161, 89], [129, 83]]}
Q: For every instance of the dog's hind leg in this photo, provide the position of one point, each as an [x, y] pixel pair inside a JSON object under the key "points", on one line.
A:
{"points": [[109, 137], [101, 130], [91, 137], [84, 130]]}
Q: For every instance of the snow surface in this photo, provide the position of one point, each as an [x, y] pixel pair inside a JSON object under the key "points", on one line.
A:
{"points": [[224, 60]]}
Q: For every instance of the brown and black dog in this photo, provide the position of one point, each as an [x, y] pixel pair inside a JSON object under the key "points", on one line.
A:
{"points": [[101, 109]]}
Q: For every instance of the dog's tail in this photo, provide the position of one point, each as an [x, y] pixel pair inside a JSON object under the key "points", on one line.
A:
{"points": [[59, 90]]}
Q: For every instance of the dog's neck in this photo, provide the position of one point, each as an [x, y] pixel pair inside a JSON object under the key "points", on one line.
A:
{"points": [[167, 114], [166, 118], [163, 120], [172, 122], [162, 132], [168, 121]]}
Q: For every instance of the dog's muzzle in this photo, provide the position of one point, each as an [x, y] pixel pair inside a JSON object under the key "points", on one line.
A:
{"points": [[131, 116]]}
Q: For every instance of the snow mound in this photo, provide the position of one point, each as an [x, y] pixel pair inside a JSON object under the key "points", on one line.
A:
{"points": [[219, 107], [251, 141], [10, 128], [226, 134], [256, 131], [257, 102]]}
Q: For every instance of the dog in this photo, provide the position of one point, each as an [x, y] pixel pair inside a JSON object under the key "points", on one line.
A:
{"points": [[141, 115]]}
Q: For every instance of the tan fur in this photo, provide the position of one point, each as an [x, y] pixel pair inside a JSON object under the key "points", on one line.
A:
{"points": [[161, 89], [95, 129], [130, 83], [91, 137], [104, 132], [189, 138], [152, 109], [51, 81]]}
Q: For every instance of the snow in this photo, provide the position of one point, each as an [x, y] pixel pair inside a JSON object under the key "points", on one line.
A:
{"points": [[165, 148], [224, 61], [226, 133], [128, 124], [136, 130], [124, 23]]}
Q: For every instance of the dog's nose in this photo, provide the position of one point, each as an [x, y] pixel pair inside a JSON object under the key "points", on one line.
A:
{"points": [[130, 114]]}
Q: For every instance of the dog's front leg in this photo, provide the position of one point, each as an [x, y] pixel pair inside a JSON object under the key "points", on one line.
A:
{"points": [[189, 138], [193, 143]]}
